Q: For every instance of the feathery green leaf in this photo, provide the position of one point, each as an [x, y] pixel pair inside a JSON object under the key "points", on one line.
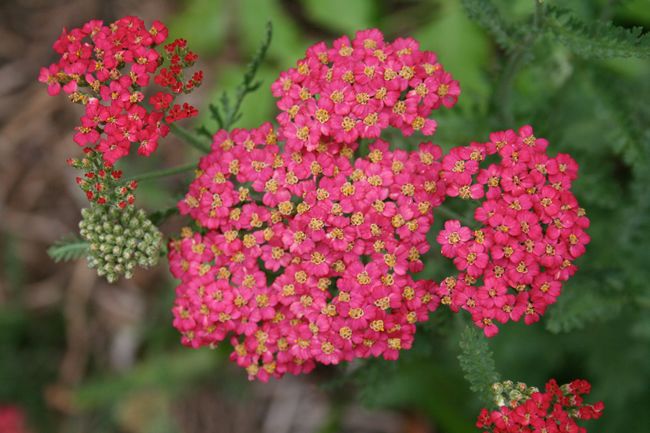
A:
{"points": [[231, 113], [477, 362], [70, 247], [597, 40]]}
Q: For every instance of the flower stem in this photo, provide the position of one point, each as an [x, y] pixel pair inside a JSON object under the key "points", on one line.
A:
{"points": [[164, 173], [502, 98], [189, 138]]}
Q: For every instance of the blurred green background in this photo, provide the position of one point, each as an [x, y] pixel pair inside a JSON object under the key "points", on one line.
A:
{"points": [[79, 355]]}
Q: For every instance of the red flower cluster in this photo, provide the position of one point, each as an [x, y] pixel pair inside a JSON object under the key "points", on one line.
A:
{"points": [[533, 229], [529, 414], [94, 74]]}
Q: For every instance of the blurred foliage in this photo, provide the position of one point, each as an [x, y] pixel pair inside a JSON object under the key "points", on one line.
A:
{"points": [[518, 63]]}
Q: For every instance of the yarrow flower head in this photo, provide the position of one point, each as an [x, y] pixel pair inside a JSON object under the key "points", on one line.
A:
{"points": [[306, 253], [295, 202], [532, 229], [525, 408], [105, 68]]}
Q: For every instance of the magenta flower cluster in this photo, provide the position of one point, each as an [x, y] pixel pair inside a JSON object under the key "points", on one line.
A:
{"points": [[305, 253], [533, 229], [342, 235], [106, 75], [355, 89]]}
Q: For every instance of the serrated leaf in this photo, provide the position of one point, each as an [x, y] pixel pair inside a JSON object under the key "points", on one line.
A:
{"points": [[477, 362], [70, 247], [597, 40]]}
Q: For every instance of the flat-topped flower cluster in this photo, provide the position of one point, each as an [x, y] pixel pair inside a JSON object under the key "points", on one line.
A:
{"points": [[306, 253], [340, 235], [525, 409], [357, 88], [107, 73], [533, 229]]}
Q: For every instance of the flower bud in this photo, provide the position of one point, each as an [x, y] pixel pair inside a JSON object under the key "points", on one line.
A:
{"points": [[497, 388], [499, 400], [508, 385], [532, 390], [118, 241], [515, 394]]}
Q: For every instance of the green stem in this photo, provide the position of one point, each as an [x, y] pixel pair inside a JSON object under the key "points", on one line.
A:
{"points": [[502, 98], [163, 173], [190, 138]]}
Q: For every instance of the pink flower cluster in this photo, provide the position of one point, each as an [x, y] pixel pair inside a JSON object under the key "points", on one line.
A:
{"points": [[339, 235], [533, 229], [532, 414], [342, 254], [357, 88], [305, 253], [107, 73]]}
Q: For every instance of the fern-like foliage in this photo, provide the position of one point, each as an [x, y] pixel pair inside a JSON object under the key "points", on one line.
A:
{"points": [[477, 362], [70, 247], [597, 40], [485, 13], [229, 114]]}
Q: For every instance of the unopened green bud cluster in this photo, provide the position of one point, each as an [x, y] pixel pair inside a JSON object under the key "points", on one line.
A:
{"points": [[510, 394], [121, 239]]}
